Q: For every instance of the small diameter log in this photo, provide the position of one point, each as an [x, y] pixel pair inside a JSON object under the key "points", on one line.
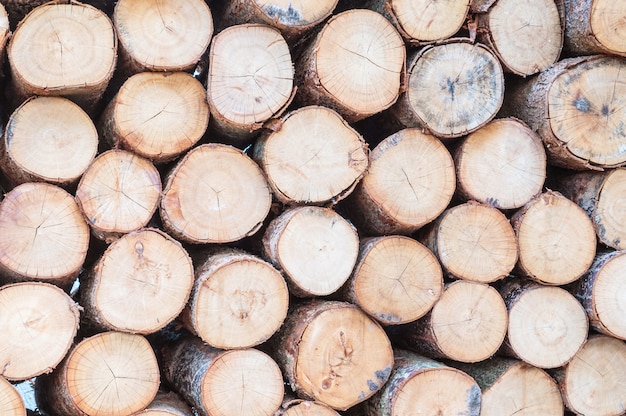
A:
{"points": [[588, 90], [547, 325], [39, 322], [118, 193], [556, 239], [467, 324], [223, 383], [354, 65], [602, 291], [452, 88], [396, 279], [250, 80], [11, 403], [473, 242], [315, 247], [527, 35], [140, 284], [111, 373], [595, 27], [201, 201], [42, 132], [334, 353], [237, 301], [78, 61], [300, 407], [420, 385], [601, 195], [514, 388], [305, 160], [410, 181], [48, 235], [592, 383], [161, 35], [167, 404], [156, 115], [502, 164]]}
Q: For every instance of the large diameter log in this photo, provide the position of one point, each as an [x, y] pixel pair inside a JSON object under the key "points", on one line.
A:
{"points": [[44, 235], [40, 133], [410, 181], [223, 383], [595, 27], [77, 63], [250, 80], [593, 382], [201, 201], [576, 106], [139, 284], [473, 242], [420, 385], [333, 352], [512, 387], [556, 239], [111, 373], [467, 324], [157, 115], [396, 280], [161, 35], [502, 164], [304, 157], [354, 65], [547, 325], [39, 322], [315, 247], [118, 193], [238, 300], [453, 88], [11, 402]]}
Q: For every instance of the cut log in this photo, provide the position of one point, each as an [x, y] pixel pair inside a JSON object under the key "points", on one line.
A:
{"points": [[513, 388], [45, 237], [18, 9], [315, 247], [223, 383], [547, 325], [601, 291], [202, 199], [502, 164], [527, 36], [42, 132], [452, 88], [467, 324], [334, 353], [420, 385], [140, 284], [396, 280], [601, 195], [39, 322], [111, 373], [5, 31], [161, 35], [556, 239], [354, 65], [595, 27], [577, 108], [473, 242], [77, 62], [156, 115], [118, 193], [11, 403], [305, 160], [410, 181], [299, 407], [593, 382], [250, 80], [238, 300], [167, 404]]}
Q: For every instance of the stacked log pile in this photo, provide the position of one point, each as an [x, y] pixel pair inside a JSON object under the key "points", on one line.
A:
{"points": [[339, 207]]}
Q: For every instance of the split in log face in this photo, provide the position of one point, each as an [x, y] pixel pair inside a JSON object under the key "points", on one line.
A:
{"points": [[42, 132], [11, 403], [595, 26]]}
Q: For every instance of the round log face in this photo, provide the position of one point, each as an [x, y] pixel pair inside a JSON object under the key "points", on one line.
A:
{"points": [[608, 296], [611, 210], [606, 21], [424, 20], [11, 403]]}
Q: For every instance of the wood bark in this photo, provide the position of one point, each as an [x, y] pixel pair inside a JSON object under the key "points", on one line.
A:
{"points": [[167, 404], [595, 27], [299, 407], [11, 403]]}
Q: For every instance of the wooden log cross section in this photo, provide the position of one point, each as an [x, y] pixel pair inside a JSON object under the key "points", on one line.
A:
{"points": [[312, 208]]}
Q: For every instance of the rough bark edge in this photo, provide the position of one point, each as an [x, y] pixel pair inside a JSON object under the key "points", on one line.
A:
{"points": [[579, 36]]}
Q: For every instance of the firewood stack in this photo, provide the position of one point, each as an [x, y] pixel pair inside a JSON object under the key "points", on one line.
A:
{"points": [[333, 207]]}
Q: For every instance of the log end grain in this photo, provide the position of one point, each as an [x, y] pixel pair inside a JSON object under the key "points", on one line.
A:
{"points": [[11, 403]]}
